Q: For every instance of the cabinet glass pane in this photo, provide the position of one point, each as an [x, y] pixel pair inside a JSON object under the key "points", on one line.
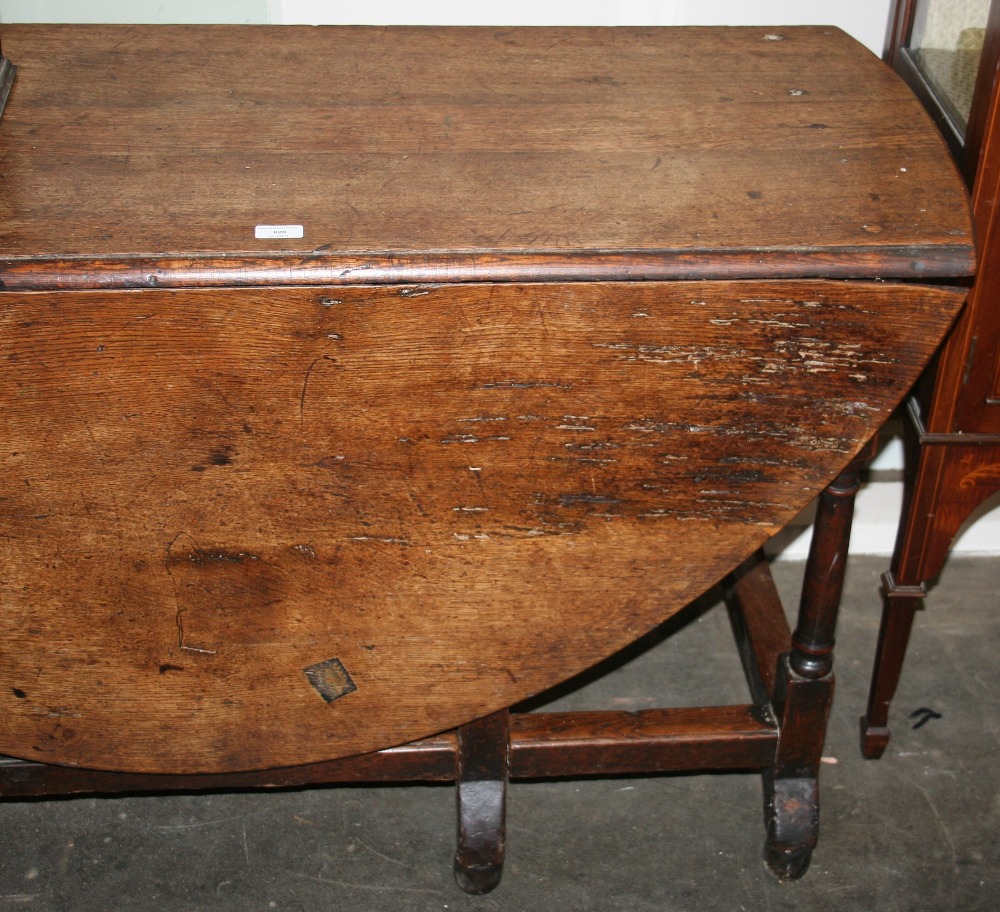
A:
{"points": [[946, 43]]}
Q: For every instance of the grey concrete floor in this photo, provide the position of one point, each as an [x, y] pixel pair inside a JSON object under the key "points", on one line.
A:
{"points": [[917, 830]]}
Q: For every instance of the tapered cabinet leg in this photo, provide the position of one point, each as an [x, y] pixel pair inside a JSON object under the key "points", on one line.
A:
{"points": [[483, 768], [804, 685], [900, 606], [947, 479]]}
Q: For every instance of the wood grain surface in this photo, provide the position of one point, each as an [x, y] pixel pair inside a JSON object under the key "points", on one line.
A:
{"points": [[141, 157], [246, 528]]}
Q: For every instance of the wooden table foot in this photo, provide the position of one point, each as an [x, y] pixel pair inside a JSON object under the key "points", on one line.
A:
{"points": [[791, 811], [481, 789], [477, 879]]}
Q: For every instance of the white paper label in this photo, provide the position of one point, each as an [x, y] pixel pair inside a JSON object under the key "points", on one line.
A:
{"points": [[278, 231]]}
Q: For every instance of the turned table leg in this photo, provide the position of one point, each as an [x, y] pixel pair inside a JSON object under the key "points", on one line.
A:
{"points": [[804, 685], [483, 769]]}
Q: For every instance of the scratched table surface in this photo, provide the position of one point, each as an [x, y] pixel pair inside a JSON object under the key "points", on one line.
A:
{"points": [[577, 319]]}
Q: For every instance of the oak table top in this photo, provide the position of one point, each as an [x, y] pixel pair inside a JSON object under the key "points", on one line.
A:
{"points": [[149, 156]]}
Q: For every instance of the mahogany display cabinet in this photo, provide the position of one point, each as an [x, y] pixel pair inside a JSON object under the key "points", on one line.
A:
{"points": [[949, 54]]}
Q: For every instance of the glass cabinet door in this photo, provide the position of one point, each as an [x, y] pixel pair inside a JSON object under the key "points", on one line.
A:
{"points": [[946, 44]]}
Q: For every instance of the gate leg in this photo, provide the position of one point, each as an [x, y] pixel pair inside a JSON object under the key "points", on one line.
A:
{"points": [[483, 765]]}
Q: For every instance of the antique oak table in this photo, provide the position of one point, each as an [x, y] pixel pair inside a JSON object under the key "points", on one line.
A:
{"points": [[358, 384]]}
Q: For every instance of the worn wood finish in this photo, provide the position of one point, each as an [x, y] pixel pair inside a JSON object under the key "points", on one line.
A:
{"points": [[376, 515], [425, 154]]}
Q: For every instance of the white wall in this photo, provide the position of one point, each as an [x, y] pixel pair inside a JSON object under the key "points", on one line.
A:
{"points": [[864, 19], [152, 11], [878, 506]]}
